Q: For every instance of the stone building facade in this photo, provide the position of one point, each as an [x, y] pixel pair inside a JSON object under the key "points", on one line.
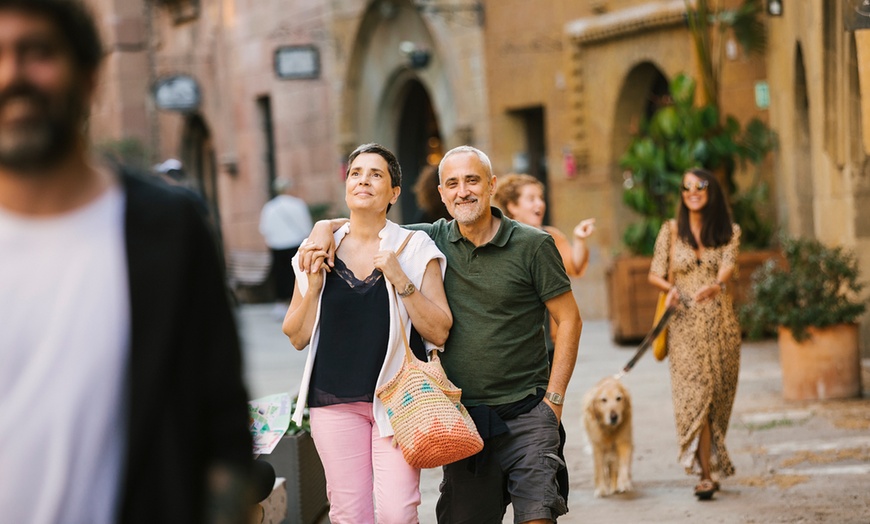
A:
{"points": [[288, 89], [552, 87], [818, 58]]}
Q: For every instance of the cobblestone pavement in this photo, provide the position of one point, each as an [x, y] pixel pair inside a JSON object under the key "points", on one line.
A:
{"points": [[796, 461]]}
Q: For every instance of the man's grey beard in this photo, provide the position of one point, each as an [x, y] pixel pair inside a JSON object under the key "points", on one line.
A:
{"points": [[31, 148]]}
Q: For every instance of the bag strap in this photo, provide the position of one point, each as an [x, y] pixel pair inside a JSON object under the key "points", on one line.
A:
{"points": [[405, 243], [673, 228], [408, 354]]}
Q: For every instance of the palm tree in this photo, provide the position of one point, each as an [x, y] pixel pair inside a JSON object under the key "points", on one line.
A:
{"points": [[707, 19]]}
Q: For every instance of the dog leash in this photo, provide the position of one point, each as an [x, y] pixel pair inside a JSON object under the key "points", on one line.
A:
{"points": [[648, 340]]}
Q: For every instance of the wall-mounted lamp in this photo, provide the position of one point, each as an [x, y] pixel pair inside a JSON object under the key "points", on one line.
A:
{"points": [[418, 57], [774, 7]]}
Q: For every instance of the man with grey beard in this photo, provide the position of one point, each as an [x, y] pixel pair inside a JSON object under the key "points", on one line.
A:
{"points": [[121, 398]]}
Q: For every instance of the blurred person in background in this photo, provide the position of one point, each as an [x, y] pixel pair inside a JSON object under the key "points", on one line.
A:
{"points": [[170, 170], [284, 223], [121, 394], [428, 198], [521, 197]]}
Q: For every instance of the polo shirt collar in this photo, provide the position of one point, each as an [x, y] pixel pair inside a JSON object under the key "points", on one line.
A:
{"points": [[505, 228]]}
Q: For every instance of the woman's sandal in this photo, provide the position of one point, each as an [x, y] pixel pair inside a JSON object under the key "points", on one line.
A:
{"points": [[705, 489]]}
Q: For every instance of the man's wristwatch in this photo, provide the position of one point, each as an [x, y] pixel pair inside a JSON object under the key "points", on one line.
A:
{"points": [[554, 397], [408, 291]]}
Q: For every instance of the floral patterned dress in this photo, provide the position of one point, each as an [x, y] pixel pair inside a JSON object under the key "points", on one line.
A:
{"points": [[703, 348]]}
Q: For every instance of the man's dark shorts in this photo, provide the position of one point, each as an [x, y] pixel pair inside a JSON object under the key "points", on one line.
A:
{"points": [[521, 469]]}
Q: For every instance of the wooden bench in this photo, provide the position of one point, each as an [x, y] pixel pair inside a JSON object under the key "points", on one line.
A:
{"points": [[248, 273]]}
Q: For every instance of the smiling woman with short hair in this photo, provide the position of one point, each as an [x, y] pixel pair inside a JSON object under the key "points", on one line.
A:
{"points": [[348, 315]]}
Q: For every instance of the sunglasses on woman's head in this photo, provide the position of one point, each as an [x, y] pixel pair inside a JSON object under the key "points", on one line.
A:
{"points": [[697, 186]]}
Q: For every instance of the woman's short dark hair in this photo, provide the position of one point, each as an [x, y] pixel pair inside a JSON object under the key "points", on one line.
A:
{"points": [[716, 229], [392, 163], [74, 20]]}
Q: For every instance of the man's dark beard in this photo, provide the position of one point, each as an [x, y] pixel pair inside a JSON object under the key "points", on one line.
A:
{"points": [[40, 144]]}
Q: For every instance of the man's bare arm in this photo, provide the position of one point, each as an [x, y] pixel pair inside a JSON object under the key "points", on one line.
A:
{"points": [[564, 311], [320, 246]]}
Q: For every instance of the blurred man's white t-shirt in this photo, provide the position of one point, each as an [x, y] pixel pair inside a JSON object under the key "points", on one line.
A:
{"points": [[285, 222], [64, 344]]}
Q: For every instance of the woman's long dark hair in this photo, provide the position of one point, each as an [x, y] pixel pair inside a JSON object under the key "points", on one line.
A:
{"points": [[716, 228]]}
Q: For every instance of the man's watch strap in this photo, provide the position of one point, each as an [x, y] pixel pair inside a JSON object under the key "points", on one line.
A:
{"points": [[555, 398]]}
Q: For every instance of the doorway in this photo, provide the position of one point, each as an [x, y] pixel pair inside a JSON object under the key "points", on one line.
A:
{"points": [[198, 159], [419, 145], [533, 159]]}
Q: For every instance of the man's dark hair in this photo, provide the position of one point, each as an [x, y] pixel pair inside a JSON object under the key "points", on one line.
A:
{"points": [[74, 20]]}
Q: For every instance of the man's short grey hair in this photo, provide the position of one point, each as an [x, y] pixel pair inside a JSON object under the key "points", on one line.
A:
{"points": [[282, 184], [466, 149]]}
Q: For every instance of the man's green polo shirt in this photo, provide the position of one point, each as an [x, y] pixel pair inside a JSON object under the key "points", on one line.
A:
{"points": [[496, 351]]}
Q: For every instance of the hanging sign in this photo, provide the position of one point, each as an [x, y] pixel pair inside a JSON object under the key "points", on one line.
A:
{"points": [[177, 93], [297, 62]]}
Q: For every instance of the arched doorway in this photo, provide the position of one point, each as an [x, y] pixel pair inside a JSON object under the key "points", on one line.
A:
{"points": [[804, 221], [198, 158], [644, 90], [419, 143], [407, 107]]}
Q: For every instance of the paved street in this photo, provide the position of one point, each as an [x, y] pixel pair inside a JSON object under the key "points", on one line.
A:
{"points": [[796, 461]]}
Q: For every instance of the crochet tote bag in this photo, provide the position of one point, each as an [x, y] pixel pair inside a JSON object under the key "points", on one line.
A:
{"points": [[431, 425]]}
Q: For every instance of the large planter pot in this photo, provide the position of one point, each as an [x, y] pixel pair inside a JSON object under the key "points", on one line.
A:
{"points": [[295, 458], [825, 366], [632, 299]]}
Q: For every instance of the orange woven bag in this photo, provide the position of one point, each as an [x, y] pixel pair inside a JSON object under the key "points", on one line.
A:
{"points": [[431, 425]]}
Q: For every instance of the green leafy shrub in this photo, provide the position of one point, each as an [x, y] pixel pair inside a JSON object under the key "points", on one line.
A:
{"points": [[680, 136], [818, 288]]}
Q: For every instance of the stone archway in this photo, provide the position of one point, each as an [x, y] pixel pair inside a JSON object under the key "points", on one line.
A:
{"points": [[804, 220], [387, 96], [644, 90]]}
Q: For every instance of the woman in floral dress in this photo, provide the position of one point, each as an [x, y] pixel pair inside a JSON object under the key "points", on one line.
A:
{"points": [[703, 336]]}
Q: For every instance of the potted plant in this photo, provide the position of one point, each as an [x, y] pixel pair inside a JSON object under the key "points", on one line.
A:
{"points": [[814, 304]]}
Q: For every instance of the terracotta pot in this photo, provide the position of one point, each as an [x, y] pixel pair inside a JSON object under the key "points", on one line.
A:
{"points": [[825, 366]]}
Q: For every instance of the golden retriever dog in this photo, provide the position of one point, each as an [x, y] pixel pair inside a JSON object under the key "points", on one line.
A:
{"points": [[607, 417]]}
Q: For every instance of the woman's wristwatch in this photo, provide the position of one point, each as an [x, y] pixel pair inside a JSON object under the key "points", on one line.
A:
{"points": [[721, 285], [408, 291]]}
